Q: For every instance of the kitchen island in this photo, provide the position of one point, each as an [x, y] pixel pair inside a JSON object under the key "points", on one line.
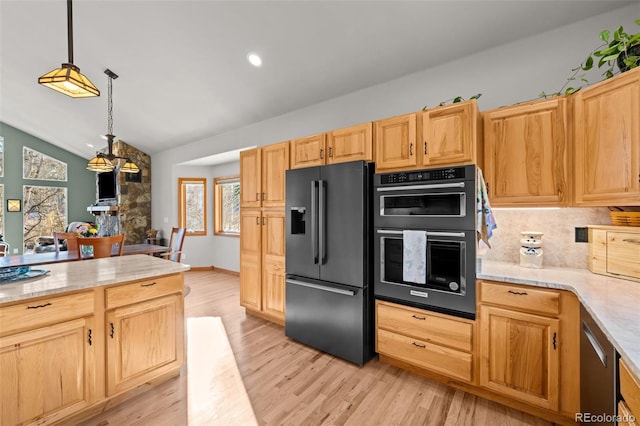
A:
{"points": [[88, 335]]}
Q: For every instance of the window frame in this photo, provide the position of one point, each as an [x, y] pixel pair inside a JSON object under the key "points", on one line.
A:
{"points": [[217, 205], [183, 203]]}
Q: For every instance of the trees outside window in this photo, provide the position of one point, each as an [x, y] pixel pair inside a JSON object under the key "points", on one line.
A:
{"points": [[44, 212], [192, 193], [227, 205]]}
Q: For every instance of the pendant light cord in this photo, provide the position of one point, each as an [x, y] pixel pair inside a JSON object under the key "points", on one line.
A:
{"points": [[70, 30]]}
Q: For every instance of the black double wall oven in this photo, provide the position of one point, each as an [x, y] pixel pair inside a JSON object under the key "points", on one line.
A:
{"points": [[425, 239]]}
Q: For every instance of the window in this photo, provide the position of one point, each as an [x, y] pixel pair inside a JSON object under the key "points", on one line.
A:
{"points": [[36, 165], [44, 211], [192, 193], [226, 192]]}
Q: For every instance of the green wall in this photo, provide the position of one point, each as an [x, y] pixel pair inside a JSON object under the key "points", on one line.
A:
{"points": [[81, 186]]}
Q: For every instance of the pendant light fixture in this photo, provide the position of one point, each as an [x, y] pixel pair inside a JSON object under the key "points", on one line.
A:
{"points": [[104, 162], [67, 79]]}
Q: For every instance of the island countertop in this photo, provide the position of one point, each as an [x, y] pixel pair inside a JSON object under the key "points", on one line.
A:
{"points": [[71, 276], [614, 303]]}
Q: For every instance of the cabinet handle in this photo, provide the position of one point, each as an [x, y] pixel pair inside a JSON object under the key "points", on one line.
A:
{"points": [[113, 330], [321, 153], [419, 318], [632, 240], [518, 293], [330, 152], [264, 220], [257, 196], [39, 306], [90, 339], [419, 345], [148, 285], [487, 186], [555, 335], [425, 148], [263, 196], [257, 220], [411, 149]]}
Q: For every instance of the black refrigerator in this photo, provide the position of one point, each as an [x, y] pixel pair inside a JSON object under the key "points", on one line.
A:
{"points": [[329, 293]]}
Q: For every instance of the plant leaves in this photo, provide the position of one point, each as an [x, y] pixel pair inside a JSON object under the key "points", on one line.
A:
{"points": [[475, 96], [604, 35]]}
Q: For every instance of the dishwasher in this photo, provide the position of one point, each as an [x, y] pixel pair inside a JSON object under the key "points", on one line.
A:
{"points": [[599, 386]]}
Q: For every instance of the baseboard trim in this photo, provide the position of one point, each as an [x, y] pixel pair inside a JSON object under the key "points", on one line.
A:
{"points": [[215, 268]]}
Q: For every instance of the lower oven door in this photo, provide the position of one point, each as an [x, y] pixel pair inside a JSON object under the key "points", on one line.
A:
{"points": [[449, 276]]}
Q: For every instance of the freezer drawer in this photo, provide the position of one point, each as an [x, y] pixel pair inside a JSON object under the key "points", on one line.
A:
{"points": [[332, 318]]}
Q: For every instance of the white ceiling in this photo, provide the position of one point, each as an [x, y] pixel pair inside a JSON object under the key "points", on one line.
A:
{"points": [[183, 73]]}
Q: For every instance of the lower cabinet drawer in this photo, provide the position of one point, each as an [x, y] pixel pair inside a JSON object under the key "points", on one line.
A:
{"points": [[546, 302], [142, 290], [425, 326], [429, 356], [625, 417], [630, 389], [36, 313]]}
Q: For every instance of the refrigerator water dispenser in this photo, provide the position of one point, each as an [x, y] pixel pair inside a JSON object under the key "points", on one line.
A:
{"points": [[297, 220]]}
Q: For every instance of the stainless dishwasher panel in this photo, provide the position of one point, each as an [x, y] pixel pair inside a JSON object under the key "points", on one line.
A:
{"points": [[598, 373]]}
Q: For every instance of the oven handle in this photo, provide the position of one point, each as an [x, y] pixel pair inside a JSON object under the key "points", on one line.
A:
{"points": [[413, 187], [429, 233]]}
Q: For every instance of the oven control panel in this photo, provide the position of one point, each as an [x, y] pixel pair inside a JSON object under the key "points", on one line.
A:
{"points": [[426, 175]]}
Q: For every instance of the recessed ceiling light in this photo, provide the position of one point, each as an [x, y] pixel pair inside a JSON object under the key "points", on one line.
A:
{"points": [[90, 145], [254, 59]]}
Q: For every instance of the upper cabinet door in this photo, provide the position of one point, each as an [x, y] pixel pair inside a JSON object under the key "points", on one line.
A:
{"points": [[275, 161], [526, 156], [607, 142], [250, 189], [309, 151], [350, 144], [395, 142], [450, 134]]}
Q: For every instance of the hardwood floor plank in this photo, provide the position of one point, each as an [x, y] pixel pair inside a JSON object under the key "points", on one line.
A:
{"points": [[289, 383]]}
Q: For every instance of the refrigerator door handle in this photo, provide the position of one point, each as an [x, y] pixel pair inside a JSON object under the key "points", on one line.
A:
{"points": [[322, 229], [314, 220], [323, 288]]}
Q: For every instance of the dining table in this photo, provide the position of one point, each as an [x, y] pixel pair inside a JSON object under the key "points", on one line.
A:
{"points": [[67, 256]]}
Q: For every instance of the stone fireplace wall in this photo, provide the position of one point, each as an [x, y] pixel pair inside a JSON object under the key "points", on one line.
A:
{"points": [[134, 198]]}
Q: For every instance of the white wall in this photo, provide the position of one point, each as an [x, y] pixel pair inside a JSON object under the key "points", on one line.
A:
{"points": [[509, 74], [206, 250]]}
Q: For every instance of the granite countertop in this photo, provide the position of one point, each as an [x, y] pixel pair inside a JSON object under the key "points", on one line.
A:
{"points": [[71, 276], [614, 303]]}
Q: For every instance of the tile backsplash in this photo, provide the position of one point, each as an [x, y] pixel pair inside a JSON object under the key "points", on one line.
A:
{"points": [[558, 226]]}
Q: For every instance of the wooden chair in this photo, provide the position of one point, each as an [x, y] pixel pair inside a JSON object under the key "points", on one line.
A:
{"points": [[102, 246], [175, 243], [70, 237]]}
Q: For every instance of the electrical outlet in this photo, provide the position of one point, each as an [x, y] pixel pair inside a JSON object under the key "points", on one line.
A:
{"points": [[15, 251], [165, 220], [582, 236]]}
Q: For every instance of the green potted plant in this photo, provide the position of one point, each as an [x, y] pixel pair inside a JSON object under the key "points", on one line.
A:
{"points": [[619, 48], [622, 50]]}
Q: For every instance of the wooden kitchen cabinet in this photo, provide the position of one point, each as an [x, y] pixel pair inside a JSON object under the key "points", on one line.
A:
{"points": [[529, 345], [451, 135], [629, 405], [527, 155], [262, 176], [337, 146], [262, 263], [395, 142], [144, 340], [425, 339], [607, 142], [48, 370]]}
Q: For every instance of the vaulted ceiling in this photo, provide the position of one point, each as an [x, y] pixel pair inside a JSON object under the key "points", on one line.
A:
{"points": [[183, 72]]}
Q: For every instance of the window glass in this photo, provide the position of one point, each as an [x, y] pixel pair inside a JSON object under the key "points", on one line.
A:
{"points": [[192, 193], [36, 165], [44, 212], [227, 205]]}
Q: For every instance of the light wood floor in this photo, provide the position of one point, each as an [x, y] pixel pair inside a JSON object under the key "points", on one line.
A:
{"points": [[291, 384]]}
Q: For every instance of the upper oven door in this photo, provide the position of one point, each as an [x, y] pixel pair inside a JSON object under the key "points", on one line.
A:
{"points": [[449, 205]]}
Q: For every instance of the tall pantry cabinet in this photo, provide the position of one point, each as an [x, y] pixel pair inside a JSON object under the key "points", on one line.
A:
{"points": [[262, 230]]}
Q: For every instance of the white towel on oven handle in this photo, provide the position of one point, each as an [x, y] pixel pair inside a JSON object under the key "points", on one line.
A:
{"points": [[414, 256]]}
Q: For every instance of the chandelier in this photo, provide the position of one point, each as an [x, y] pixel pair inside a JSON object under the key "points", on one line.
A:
{"points": [[67, 79], [104, 162]]}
